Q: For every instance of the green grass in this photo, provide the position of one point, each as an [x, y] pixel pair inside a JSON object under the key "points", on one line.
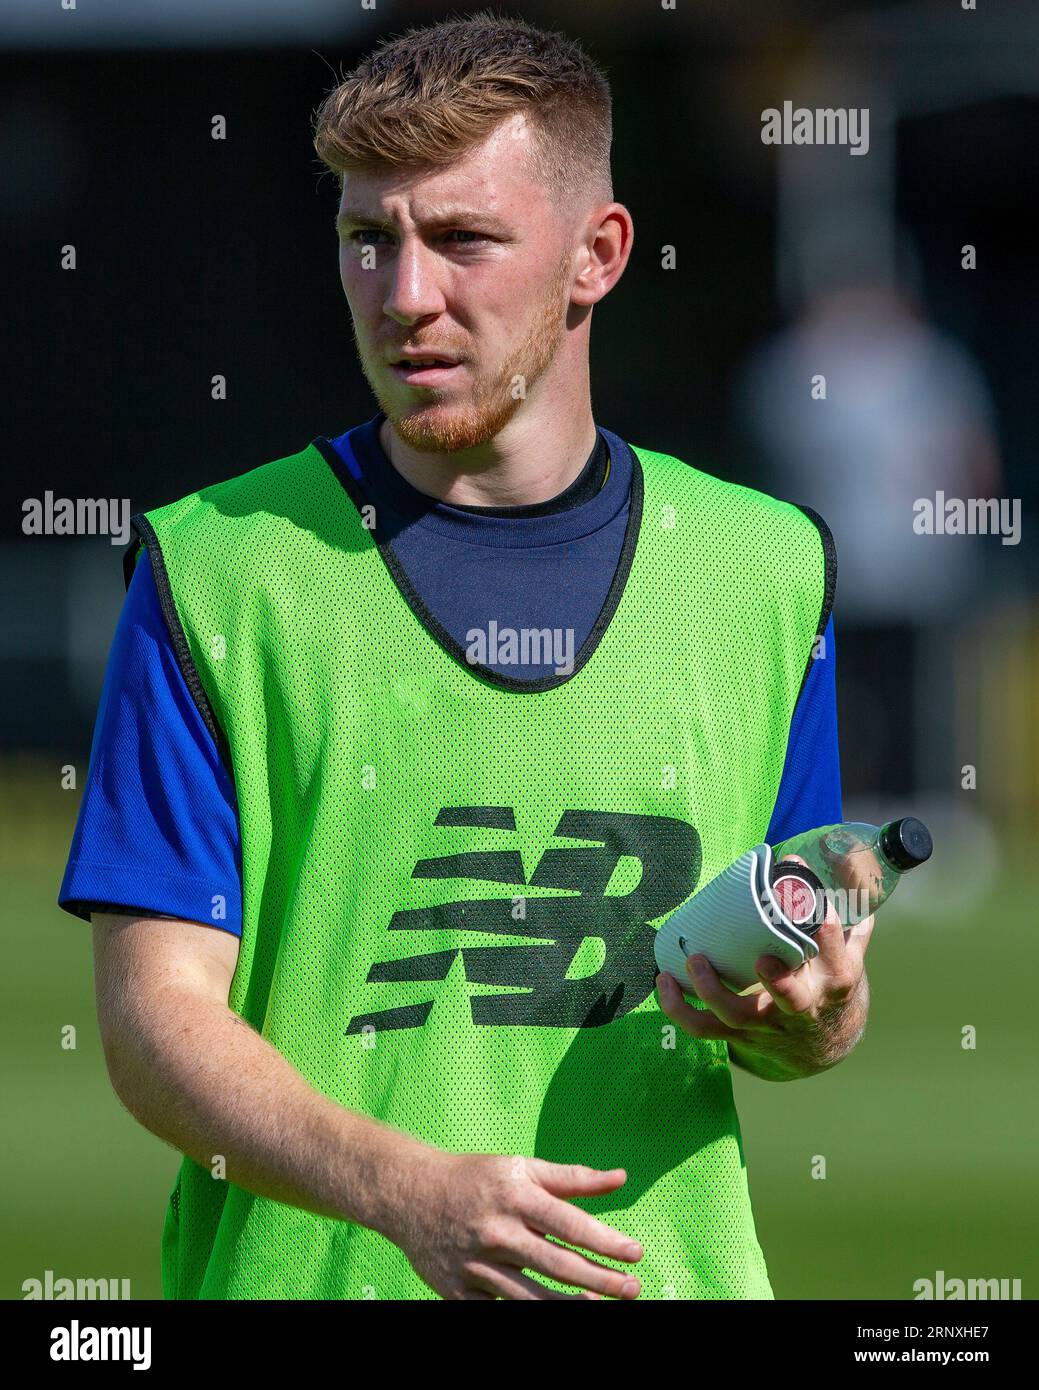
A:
{"points": [[84, 1186], [929, 1148]]}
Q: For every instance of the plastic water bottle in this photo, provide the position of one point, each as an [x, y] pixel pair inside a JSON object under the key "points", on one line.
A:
{"points": [[854, 866]]}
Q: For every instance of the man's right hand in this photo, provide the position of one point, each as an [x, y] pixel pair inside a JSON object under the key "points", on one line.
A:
{"points": [[196, 1074], [475, 1222]]}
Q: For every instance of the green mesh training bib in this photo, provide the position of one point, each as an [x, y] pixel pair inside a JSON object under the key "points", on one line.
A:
{"points": [[452, 879]]}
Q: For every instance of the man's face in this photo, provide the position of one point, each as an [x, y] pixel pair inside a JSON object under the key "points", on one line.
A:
{"points": [[472, 263]]}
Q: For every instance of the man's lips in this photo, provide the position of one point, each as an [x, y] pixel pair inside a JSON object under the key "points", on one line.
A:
{"points": [[427, 369], [416, 355]]}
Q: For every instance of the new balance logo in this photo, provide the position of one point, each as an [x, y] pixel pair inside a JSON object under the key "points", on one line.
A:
{"points": [[668, 851]]}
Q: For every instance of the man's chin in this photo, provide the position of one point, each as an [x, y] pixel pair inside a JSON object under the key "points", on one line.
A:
{"points": [[445, 427]]}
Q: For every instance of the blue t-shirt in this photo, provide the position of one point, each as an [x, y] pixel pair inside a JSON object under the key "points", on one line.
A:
{"points": [[158, 829]]}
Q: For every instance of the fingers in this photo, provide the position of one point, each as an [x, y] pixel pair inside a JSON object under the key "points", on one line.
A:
{"points": [[570, 1267], [856, 940], [547, 1218], [552, 1216], [842, 952], [729, 1012], [834, 973], [505, 1281], [574, 1179], [792, 991], [697, 1023], [839, 945]]}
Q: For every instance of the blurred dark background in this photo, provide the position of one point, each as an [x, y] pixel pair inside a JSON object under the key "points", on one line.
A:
{"points": [[197, 256]]}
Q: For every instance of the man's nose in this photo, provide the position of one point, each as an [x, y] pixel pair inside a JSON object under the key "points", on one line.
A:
{"points": [[414, 291]]}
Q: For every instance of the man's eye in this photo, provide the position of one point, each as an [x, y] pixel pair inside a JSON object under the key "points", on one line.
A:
{"points": [[368, 236]]}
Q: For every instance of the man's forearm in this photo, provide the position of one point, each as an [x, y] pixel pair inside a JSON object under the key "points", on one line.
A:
{"points": [[799, 1054], [196, 1075]]}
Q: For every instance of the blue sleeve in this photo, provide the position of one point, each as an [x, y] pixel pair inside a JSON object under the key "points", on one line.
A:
{"points": [[158, 822], [810, 787]]}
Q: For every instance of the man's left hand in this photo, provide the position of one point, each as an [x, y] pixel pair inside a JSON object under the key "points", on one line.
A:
{"points": [[803, 1020]]}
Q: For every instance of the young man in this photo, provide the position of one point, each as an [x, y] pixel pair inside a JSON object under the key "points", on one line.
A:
{"points": [[409, 741]]}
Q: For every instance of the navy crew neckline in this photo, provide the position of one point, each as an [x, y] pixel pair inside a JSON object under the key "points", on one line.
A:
{"points": [[341, 459], [361, 451]]}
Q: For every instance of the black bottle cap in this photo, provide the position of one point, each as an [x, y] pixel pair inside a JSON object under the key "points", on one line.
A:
{"points": [[906, 843]]}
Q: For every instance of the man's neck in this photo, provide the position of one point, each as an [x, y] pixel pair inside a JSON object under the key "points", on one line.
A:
{"points": [[520, 465]]}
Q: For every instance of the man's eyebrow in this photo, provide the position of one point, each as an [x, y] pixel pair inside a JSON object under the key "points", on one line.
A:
{"points": [[356, 217], [447, 217]]}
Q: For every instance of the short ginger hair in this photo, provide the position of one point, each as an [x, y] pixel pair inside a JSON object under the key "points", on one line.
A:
{"points": [[427, 97]]}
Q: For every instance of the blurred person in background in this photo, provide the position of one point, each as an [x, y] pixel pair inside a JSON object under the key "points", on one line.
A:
{"points": [[906, 415]]}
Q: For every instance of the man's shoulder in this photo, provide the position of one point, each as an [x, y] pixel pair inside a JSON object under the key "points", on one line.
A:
{"points": [[245, 521], [787, 544], [669, 473], [245, 494]]}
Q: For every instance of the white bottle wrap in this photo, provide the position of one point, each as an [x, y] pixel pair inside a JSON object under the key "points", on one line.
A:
{"points": [[733, 921]]}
